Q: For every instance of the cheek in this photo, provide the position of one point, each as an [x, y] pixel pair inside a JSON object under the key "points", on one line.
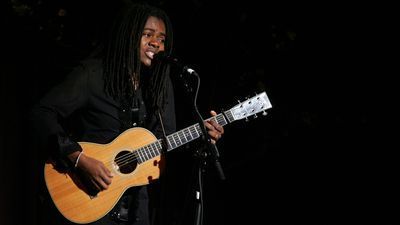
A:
{"points": [[142, 43]]}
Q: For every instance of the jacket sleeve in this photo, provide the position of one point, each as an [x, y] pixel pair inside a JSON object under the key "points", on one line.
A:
{"points": [[55, 107]]}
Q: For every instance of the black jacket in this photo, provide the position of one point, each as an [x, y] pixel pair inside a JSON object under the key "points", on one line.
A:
{"points": [[79, 109]]}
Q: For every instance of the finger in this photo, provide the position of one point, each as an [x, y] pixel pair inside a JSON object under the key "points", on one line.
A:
{"points": [[107, 172], [106, 179], [209, 125], [220, 129], [213, 113], [217, 127], [94, 184], [101, 183], [105, 175], [214, 135]]}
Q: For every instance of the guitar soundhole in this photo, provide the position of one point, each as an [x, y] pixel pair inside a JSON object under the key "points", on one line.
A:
{"points": [[126, 162]]}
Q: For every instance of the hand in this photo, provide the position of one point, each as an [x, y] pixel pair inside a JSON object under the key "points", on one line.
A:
{"points": [[214, 129], [95, 172]]}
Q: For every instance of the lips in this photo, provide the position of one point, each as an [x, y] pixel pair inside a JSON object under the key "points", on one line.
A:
{"points": [[149, 54]]}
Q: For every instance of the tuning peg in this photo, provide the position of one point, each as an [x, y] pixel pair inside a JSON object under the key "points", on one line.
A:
{"points": [[255, 116], [264, 113], [247, 119], [241, 105]]}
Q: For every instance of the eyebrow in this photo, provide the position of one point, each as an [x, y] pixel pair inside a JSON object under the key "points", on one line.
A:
{"points": [[150, 29]]}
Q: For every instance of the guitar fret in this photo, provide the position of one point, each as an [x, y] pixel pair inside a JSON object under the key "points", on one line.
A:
{"points": [[136, 155], [180, 137], [178, 142], [193, 132], [155, 149], [198, 129], [152, 155], [182, 133], [145, 154], [141, 155], [187, 135], [174, 144], [195, 129], [221, 120], [159, 147], [229, 115], [178, 134], [190, 133]]}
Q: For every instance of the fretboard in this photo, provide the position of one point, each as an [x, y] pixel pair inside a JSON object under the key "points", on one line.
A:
{"points": [[190, 133], [178, 138]]}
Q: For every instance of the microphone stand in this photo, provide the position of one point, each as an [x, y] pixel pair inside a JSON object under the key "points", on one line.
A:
{"points": [[202, 155]]}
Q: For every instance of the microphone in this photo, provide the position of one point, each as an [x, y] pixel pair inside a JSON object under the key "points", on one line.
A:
{"points": [[163, 57]]}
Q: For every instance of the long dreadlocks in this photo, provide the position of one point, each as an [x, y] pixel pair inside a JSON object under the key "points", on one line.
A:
{"points": [[122, 65]]}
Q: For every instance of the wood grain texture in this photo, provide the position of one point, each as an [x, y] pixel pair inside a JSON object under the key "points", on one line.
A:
{"points": [[76, 204]]}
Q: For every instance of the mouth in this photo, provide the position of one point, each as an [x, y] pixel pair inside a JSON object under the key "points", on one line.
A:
{"points": [[149, 54]]}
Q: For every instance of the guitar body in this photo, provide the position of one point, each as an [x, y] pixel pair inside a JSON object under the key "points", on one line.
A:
{"points": [[76, 203]]}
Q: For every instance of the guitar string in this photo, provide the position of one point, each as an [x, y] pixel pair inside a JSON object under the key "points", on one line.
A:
{"points": [[128, 158], [131, 157]]}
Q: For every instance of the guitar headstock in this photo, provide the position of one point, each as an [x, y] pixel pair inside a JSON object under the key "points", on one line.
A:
{"points": [[249, 107]]}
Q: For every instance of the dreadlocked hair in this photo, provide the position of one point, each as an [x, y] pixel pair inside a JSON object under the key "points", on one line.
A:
{"points": [[156, 90], [122, 65]]}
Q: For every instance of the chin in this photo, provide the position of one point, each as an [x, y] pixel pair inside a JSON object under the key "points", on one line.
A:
{"points": [[146, 62]]}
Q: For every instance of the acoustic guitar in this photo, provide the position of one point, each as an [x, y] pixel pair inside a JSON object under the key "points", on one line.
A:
{"points": [[135, 158]]}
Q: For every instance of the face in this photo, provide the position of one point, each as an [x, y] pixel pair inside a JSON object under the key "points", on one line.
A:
{"points": [[153, 38]]}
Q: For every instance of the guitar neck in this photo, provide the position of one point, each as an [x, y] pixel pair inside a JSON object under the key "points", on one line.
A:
{"points": [[256, 104], [191, 133], [177, 139]]}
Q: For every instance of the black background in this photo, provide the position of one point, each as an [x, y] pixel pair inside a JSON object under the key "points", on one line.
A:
{"points": [[322, 155]]}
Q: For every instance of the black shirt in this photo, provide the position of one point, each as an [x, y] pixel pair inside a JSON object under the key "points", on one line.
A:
{"points": [[96, 116]]}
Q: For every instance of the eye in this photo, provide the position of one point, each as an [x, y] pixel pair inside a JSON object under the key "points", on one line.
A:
{"points": [[148, 35]]}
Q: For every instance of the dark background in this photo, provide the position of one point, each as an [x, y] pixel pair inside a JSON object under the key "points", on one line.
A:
{"points": [[322, 155]]}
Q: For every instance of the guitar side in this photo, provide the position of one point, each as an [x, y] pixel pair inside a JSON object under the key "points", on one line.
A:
{"points": [[73, 200]]}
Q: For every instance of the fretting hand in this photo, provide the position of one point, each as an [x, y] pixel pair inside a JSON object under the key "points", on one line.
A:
{"points": [[214, 129]]}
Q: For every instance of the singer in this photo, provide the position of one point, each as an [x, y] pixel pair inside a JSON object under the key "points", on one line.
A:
{"points": [[118, 88]]}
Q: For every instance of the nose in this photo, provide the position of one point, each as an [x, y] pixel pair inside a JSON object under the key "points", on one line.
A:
{"points": [[154, 43]]}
